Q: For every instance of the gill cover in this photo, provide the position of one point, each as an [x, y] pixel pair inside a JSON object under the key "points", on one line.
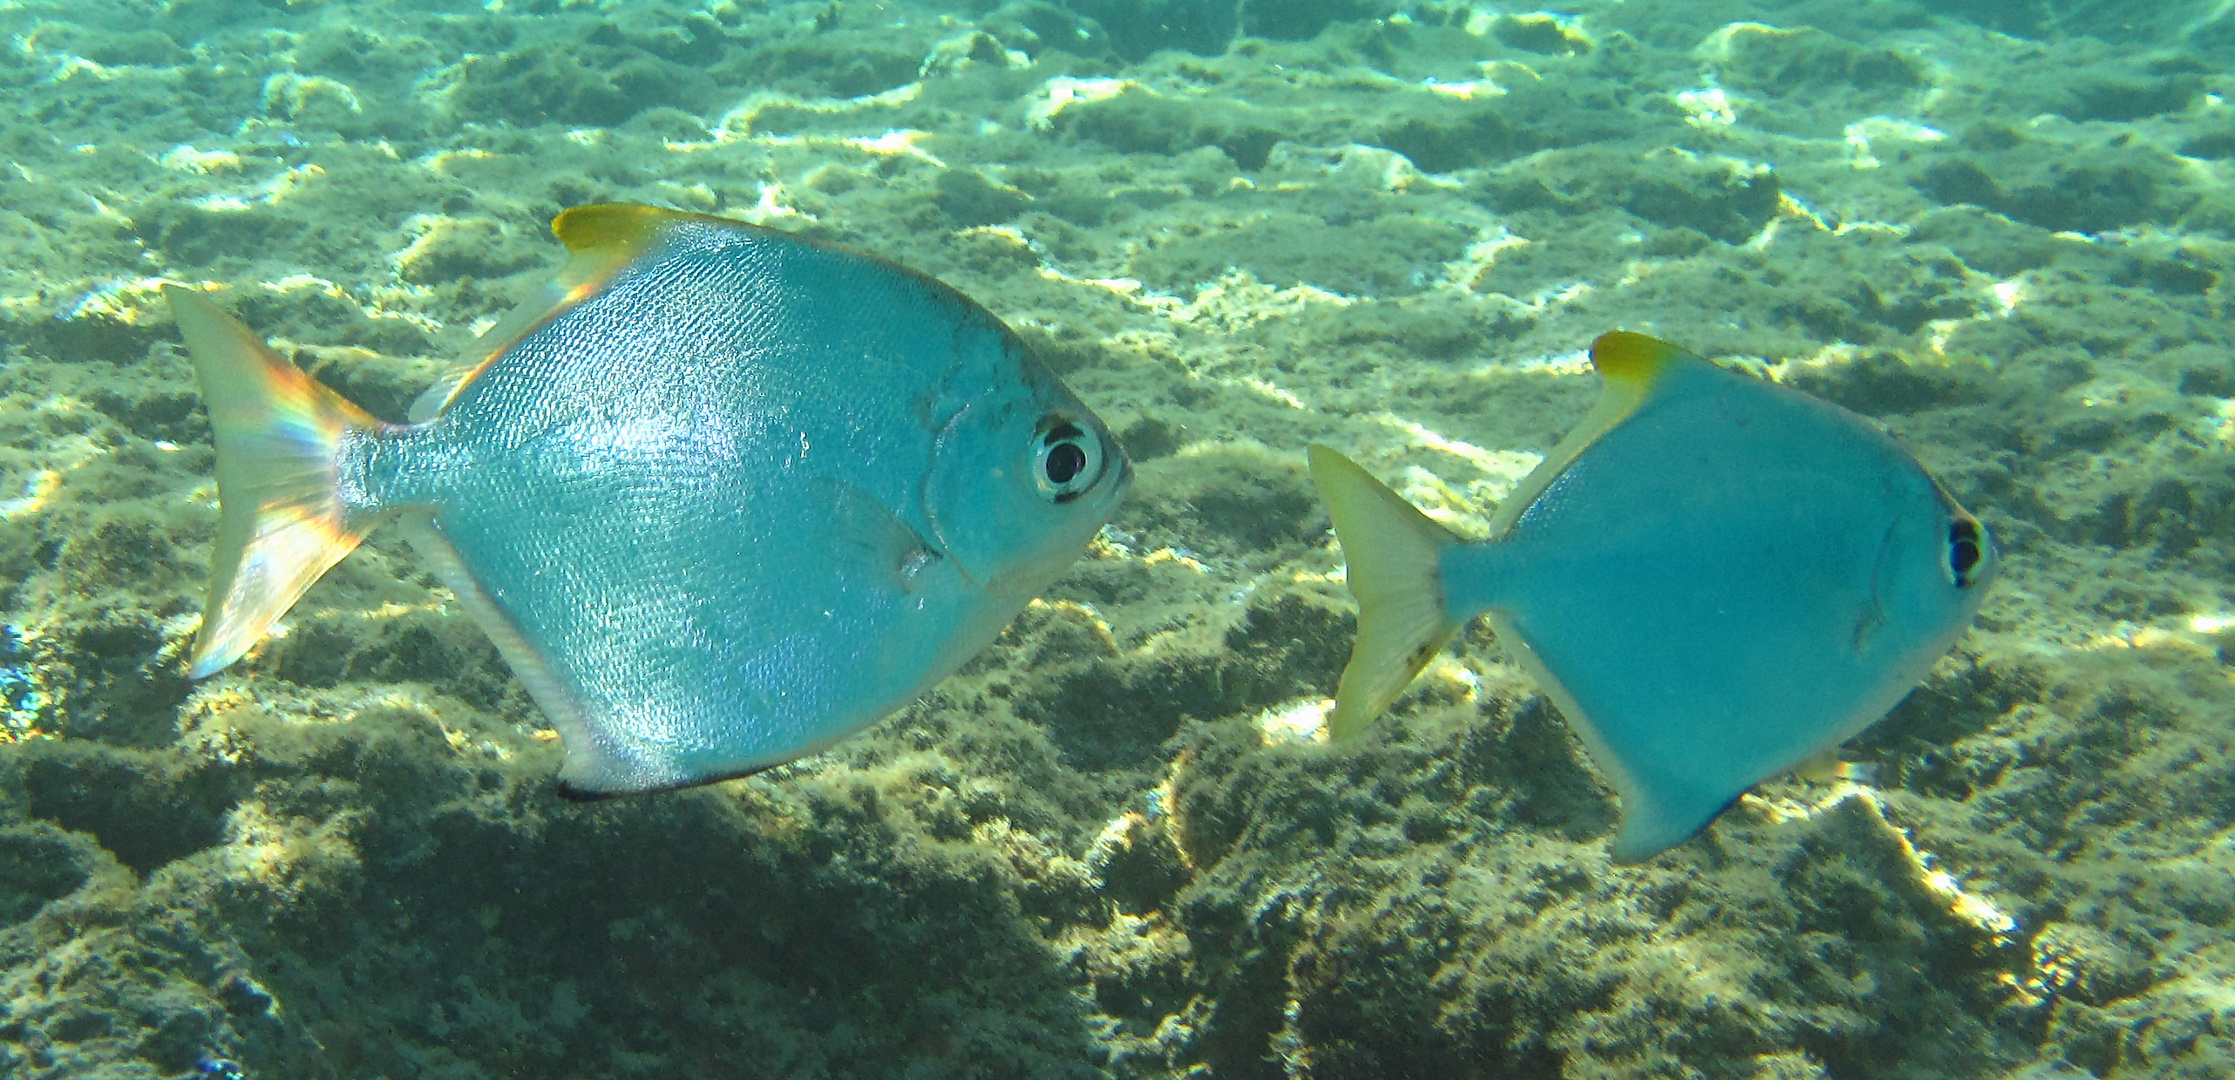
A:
{"points": [[1050, 459]]}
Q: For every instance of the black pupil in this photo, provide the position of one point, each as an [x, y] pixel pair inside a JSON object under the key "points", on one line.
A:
{"points": [[1065, 461], [1963, 547]]}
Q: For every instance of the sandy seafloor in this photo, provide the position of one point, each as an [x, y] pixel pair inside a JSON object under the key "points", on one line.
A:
{"points": [[1109, 847]]}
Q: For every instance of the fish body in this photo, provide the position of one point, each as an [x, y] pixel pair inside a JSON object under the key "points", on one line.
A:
{"points": [[723, 498], [1714, 577]]}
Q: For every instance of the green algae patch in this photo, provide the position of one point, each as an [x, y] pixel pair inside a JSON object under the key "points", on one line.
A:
{"points": [[1393, 256]]}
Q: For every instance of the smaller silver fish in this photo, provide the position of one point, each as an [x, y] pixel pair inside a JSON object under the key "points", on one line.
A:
{"points": [[722, 497], [1716, 578]]}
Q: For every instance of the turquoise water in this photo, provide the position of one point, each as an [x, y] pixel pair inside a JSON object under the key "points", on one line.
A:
{"points": [[1111, 845]]}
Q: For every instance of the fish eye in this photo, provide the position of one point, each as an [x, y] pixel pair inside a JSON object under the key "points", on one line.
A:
{"points": [[1067, 460], [1964, 551]]}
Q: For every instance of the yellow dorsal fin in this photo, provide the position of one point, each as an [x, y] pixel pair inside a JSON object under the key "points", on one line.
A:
{"points": [[1628, 365], [630, 225], [601, 240], [1622, 356]]}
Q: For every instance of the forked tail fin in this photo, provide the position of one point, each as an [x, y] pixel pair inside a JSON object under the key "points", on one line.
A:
{"points": [[1393, 553], [281, 520]]}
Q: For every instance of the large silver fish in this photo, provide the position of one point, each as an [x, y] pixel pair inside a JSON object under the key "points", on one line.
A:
{"points": [[723, 498]]}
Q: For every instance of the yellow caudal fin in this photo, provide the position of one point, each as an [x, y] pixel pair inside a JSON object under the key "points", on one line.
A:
{"points": [[281, 521], [1393, 553]]}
